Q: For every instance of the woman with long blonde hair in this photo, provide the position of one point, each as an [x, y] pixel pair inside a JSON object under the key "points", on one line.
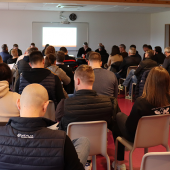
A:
{"points": [[154, 101]]}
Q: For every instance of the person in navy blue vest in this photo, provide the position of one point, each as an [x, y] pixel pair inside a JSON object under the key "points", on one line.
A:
{"points": [[38, 74], [30, 141], [4, 54]]}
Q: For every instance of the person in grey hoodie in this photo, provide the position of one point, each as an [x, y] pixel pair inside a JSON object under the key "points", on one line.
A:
{"points": [[50, 63]]}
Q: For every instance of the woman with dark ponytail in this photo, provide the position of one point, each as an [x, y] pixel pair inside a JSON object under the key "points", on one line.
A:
{"points": [[50, 63]]}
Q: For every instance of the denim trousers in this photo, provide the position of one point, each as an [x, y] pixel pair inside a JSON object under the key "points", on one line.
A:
{"points": [[131, 78], [82, 146]]}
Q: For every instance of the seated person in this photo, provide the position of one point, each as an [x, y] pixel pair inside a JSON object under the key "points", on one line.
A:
{"points": [[60, 56], [85, 104], [50, 50], [155, 100], [144, 65], [4, 54], [114, 56], [145, 48], [22, 56], [82, 53], [104, 85], [137, 53], [43, 51], [50, 63], [33, 46], [23, 65], [131, 60], [71, 61], [14, 58], [104, 55], [123, 52], [7, 99], [34, 146], [159, 57], [98, 49], [38, 74], [166, 63], [15, 46]]}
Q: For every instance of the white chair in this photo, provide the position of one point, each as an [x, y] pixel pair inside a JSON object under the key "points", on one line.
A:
{"points": [[156, 161], [151, 131], [96, 132], [50, 113]]}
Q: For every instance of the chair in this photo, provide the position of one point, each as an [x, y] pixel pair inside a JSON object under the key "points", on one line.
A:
{"points": [[50, 113], [123, 79], [96, 132], [133, 84], [151, 131], [156, 161]]}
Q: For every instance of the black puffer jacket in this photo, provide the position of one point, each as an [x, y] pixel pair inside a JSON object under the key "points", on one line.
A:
{"points": [[26, 144], [86, 105]]}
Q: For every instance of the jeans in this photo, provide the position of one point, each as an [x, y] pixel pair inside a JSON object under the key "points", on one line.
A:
{"points": [[131, 78], [122, 131], [82, 146]]}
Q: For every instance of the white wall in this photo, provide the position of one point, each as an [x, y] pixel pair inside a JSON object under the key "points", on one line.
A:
{"points": [[108, 28], [158, 21]]}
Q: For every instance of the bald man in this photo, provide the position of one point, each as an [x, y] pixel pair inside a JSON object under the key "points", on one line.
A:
{"points": [[27, 143]]}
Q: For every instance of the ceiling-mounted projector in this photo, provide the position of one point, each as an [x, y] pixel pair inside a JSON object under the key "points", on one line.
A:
{"points": [[65, 21]]}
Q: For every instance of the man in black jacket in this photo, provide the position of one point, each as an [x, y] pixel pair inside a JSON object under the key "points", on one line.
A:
{"points": [[27, 142], [159, 57], [38, 74], [86, 105], [166, 63], [131, 60]]}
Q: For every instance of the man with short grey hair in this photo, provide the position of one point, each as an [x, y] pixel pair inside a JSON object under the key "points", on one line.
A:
{"points": [[166, 63]]}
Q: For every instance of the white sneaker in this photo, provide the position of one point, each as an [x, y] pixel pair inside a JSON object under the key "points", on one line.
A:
{"points": [[119, 167], [88, 166]]}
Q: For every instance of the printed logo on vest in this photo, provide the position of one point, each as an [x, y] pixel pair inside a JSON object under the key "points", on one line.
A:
{"points": [[24, 136]]}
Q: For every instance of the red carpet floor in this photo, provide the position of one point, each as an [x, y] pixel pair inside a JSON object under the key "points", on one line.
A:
{"points": [[125, 106]]}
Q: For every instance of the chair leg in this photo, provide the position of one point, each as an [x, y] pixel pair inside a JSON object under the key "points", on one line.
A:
{"points": [[130, 160], [116, 147], [108, 161], [94, 162], [145, 150]]}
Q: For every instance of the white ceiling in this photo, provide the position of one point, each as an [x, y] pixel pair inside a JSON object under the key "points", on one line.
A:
{"points": [[86, 7]]}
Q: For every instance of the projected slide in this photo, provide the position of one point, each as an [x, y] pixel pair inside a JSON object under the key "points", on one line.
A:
{"points": [[59, 36]]}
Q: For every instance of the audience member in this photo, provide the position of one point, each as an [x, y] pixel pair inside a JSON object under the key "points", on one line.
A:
{"points": [[50, 50], [159, 57], [23, 65], [131, 60], [85, 104], [15, 46], [14, 58], [82, 53], [104, 55], [133, 75], [114, 56], [137, 53], [149, 47], [97, 50], [105, 85], [32, 144], [33, 46], [60, 56], [22, 56], [155, 100], [123, 52], [38, 74], [145, 48], [7, 99], [166, 63], [71, 61], [43, 51], [50, 63], [4, 54]]}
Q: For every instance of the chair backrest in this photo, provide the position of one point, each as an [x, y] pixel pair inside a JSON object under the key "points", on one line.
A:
{"points": [[130, 68], [50, 113], [152, 131], [156, 161], [95, 131]]}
